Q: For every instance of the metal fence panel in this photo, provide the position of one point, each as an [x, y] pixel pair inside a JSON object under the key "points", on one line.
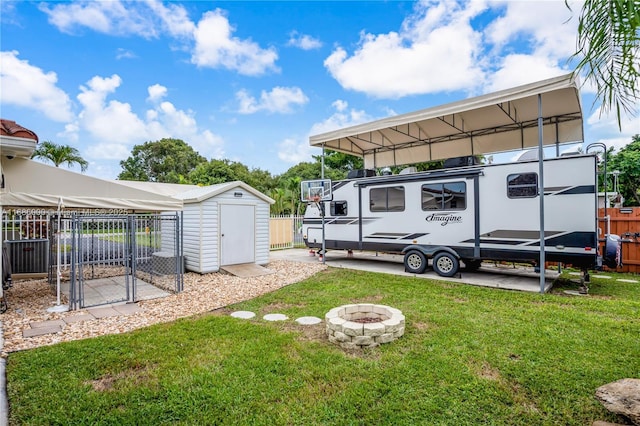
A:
{"points": [[104, 255]]}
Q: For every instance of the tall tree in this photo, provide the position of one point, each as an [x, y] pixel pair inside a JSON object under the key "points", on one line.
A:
{"points": [[340, 162], [220, 171], [166, 160], [608, 42], [60, 154]]}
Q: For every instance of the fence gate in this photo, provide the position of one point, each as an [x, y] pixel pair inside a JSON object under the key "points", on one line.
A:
{"points": [[624, 222], [102, 264], [97, 258], [116, 258]]}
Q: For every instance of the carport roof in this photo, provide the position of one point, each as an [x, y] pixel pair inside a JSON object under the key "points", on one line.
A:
{"points": [[496, 122], [28, 183]]}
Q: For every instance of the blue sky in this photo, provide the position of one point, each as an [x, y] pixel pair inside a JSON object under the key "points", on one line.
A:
{"points": [[251, 81]]}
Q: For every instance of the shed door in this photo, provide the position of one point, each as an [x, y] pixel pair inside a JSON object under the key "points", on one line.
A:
{"points": [[237, 234]]}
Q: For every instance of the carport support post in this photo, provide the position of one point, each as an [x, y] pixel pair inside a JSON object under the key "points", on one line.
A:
{"points": [[324, 247], [541, 192]]}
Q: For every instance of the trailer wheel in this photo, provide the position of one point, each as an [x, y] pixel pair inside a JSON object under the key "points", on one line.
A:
{"points": [[472, 265], [415, 262], [445, 264]]}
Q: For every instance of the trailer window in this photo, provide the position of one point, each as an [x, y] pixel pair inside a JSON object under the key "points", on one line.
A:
{"points": [[444, 196], [338, 208], [522, 185], [389, 199]]}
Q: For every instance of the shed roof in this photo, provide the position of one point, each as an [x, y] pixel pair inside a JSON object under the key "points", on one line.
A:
{"points": [[162, 188], [202, 193], [497, 122]]}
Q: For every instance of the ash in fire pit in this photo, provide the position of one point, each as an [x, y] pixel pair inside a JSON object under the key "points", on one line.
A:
{"points": [[364, 325]]}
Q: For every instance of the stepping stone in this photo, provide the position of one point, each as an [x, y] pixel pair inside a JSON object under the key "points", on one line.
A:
{"points": [[44, 324], [243, 314], [627, 281], [604, 277], [574, 293], [128, 309], [78, 318], [308, 320], [103, 312], [275, 317], [40, 331]]}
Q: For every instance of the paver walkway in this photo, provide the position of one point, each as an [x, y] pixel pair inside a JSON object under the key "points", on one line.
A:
{"points": [[54, 326]]}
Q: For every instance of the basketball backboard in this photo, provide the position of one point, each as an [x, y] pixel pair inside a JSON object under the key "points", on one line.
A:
{"points": [[315, 190]]}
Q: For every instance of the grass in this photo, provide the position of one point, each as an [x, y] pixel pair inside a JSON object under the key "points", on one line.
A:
{"points": [[142, 239], [469, 356]]}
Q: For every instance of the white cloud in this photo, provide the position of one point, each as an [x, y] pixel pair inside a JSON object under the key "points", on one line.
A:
{"points": [[294, 151], [435, 51], [156, 92], [548, 27], [174, 18], [217, 48], [303, 41], [601, 125], [213, 43], [28, 86], [108, 120], [124, 54], [278, 100], [545, 35], [340, 105], [110, 17], [519, 69], [146, 19], [169, 122], [116, 127], [108, 151]]}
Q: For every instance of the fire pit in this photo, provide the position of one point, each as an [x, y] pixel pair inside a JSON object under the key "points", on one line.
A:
{"points": [[364, 325]]}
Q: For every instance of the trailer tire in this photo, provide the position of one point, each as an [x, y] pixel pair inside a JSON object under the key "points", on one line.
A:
{"points": [[472, 265], [445, 264], [415, 262]]}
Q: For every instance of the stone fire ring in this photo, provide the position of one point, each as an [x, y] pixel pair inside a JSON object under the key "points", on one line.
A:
{"points": [[378, 324]]}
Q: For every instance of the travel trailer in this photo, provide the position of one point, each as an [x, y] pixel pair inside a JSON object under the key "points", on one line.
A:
{"points": [[464, 214]]}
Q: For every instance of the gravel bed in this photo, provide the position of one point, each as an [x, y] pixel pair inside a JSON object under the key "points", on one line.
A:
{"points": [[29, 300]]}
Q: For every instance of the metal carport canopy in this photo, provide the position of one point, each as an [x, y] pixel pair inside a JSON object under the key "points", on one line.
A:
{"points": [[28, 183], [502, 121]]}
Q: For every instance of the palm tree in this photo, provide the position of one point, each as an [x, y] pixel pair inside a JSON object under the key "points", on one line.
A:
{"points": [[609, 44], [281, 205], [60, 154]]}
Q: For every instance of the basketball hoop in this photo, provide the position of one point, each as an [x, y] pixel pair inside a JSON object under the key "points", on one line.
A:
{"points": [[315, 198]]}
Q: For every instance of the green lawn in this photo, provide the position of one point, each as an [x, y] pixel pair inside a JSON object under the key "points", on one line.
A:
{"points": [[469, 356]]}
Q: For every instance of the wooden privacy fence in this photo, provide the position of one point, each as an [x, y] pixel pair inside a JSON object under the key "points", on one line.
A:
{"points": [[285, 232], [624, 222]]}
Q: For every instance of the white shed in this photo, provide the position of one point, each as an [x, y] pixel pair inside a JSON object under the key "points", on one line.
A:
{"points": [[225, 224]]}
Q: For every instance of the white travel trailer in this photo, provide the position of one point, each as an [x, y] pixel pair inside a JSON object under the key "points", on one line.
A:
{"points": [[464, 214]]}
